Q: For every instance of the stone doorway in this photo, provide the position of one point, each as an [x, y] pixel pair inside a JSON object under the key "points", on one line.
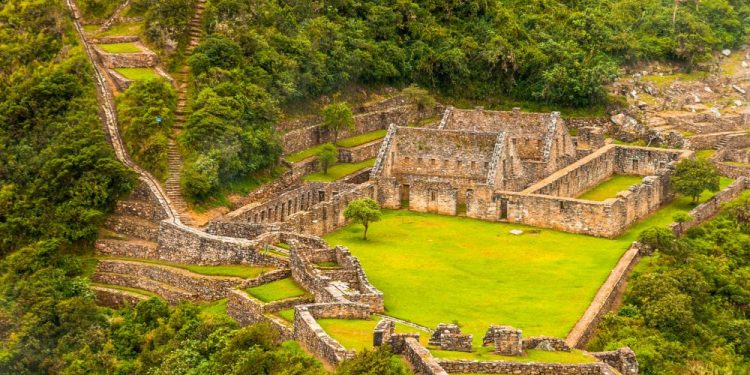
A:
{"points": [[503, 209], [404, 195]]}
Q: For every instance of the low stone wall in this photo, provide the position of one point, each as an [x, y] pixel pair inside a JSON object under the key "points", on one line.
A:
{"points": [[183, 245], [621, 359], [247, 310], [169, 293], [115, 298], [314, 339], [360, 153], [121, 83], [550, 344], [523, 368], [309, 136], [420, 358], [208, 288], [733, 171], [711, 207], [706, 141], [133, 227], [604, 299], [112, 39], [117, 248], [143, 59], [142, 209]]}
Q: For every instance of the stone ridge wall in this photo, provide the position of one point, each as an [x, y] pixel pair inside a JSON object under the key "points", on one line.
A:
{"points": [[314, 339], [604, 299], [208, 288], [433, 196], [622, 359], [169, 293], [420, 358], [143, 59], [115, 298], [523, 368], [246, 310], [711, 207], [578, 177], [300, 139], [360, 153], [181, 245]]}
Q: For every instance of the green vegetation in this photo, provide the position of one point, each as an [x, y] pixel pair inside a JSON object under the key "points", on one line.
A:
{"points": [[692, 176], [127, 289], [362, 138], [139, 74], [119, 48], [705, 154], [363, 211], [277, 290], [374, 362], [356, 334], [685, 309], [286, 314], [97, 9], [214, 310], [146, 113], [339, 171], [239, 186], [233, 270], [540, 356], [327, 156], [327, 264], [610, 188], [337, 117], [662, 81], [126, 29]]}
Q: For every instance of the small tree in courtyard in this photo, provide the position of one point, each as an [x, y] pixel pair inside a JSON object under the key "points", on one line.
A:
{"points": [[337, 117], [363, 211], [693, 176], [327, 156]]}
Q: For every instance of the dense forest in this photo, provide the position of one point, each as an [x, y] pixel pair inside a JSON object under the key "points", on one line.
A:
{"points": [[686, 309]]}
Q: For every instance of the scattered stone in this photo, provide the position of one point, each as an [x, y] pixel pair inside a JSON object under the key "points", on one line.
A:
{"points": [[634, 94], [696, 99], [726, 52], [650, 90], [642, 105], [516, 232], [744, 64], [715, 111], [739, 89], [708, 89], [738, 102]]}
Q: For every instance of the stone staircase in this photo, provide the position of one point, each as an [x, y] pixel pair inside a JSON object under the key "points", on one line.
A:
{"points": [[723, 142], [181, 114]]}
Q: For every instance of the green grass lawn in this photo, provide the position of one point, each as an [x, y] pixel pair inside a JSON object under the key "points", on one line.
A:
{"points": [[91, 28], [704, 154], [127, 289], [216, 309], [436, 269], [339, 170], [286, 314], [357, 334], [610, 188], [138, 74], [125, 29], [119, 48], [236, 270], [277, 290], [362, 138]]}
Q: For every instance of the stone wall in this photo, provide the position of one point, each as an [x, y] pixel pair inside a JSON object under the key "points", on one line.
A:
{"points": [[169, 293], [115, 298], [302, 138], [247, 310], [314, 339], [420, 359], [550, 344], [621, 359], [711, 207], [523, 368], [207, 288], [433, 196], [143, 59], [360, 153]]}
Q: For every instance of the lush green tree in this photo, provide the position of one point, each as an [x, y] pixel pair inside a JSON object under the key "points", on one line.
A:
{"points": [[693, 176], [363, 211], [419, 97], [337, 117], [373, 362], [146, 115], [327, 156]]}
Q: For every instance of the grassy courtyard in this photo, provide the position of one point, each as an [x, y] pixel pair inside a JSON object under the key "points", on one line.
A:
{"points": [[120, 48], [339, 170], [138, 74], [277, 290], [435, 269], [610, 188]]}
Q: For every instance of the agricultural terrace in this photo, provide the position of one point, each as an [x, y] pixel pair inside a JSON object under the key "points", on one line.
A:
{"points": [[435, 269]]}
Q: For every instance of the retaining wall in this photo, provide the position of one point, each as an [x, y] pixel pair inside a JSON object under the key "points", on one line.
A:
{"points": [[711, 207], [116, 299], [314, 339]]}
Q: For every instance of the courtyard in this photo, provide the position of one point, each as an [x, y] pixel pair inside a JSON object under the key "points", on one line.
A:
{"points": [[439, 269]]}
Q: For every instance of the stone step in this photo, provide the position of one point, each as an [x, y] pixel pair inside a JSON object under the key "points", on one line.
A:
{"points": [[133, 227], [132, 248], [170, 293]]}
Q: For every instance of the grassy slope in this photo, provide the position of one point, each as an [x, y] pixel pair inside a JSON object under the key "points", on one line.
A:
{"points": [[277, 290], [362, 138], [120, 48], [610, 188], [339, 170], [138, 74], [435, 269]]}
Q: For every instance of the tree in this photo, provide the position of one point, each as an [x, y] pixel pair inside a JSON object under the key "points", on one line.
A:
{"points": [[327, 156], [372, 362], [363, 211], [693, 176], [337, 117], [419, 97]]}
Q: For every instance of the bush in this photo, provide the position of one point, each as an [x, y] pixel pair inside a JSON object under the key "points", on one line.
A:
{"points": [[373, 362], [200, 177]]}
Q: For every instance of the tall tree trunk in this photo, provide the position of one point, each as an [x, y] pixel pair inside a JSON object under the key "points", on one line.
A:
{"points": [[365, 235]]}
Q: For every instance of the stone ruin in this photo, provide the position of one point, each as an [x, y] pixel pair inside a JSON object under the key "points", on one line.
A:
{"points": [[506, 340], [449, 337]]}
